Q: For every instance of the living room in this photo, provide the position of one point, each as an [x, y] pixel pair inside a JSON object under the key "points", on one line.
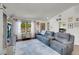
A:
{"points": [[50, 28]]}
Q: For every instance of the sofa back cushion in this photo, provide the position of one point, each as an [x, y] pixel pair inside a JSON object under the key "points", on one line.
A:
{"points": [[48, 33], [61, 36]]}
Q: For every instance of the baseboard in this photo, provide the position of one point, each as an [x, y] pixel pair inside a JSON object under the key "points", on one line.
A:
{"points": [[23, 39]]}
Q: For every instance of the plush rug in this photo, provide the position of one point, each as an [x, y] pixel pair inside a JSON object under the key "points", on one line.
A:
{"points": [[33, 47]]}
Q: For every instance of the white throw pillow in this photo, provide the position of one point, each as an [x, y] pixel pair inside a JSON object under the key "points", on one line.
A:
{"points": [[43, 32]]}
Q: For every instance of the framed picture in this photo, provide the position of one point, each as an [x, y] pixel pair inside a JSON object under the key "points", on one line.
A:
{"points": [[76, 24], [70, 26], [62, 24], [70, 19], [77, 19]]}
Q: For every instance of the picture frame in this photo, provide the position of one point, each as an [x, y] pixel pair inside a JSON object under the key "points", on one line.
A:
{"points": [[70, 26], [76, 24], [70, 19], [77, 19]]}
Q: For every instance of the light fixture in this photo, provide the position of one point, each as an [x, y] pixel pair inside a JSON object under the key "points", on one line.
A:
{"points": [[58, 19], [47, 17]]}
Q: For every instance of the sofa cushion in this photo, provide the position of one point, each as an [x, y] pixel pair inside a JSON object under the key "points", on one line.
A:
{"points": [[48, 33], [62, 36], [43, 39], [59, 47], [38, 34]]}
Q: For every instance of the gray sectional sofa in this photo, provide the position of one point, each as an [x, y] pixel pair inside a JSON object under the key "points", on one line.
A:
{"points": [[62, 42], [44, 38]]}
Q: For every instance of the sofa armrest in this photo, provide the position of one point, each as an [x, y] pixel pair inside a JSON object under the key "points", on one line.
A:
{"points": [[72, 38]]}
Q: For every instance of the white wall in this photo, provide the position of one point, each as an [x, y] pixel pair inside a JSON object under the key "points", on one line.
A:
{"points": [[53, 25], [72, 12], [33, 29], [18, 29]]}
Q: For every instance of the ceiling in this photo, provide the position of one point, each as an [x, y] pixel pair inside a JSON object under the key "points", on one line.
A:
{"points": [[37, 10]]}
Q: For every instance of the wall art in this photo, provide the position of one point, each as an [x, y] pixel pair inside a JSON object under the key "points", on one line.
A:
{"points": [[77, 19], [70, 19], [76, 24], [70, 26]]}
